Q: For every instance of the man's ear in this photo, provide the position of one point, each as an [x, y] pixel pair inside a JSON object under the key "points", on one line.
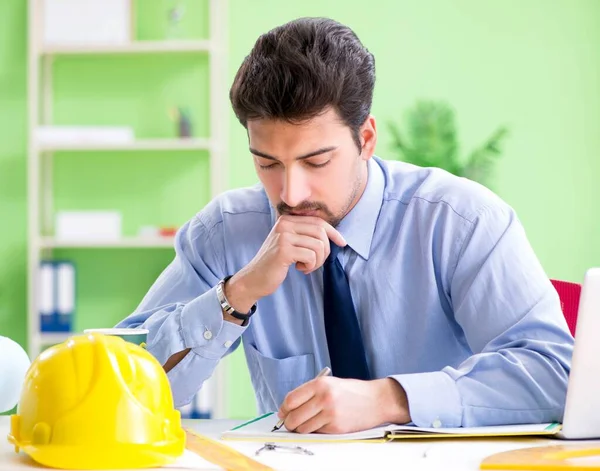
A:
{"points": [[368, 138]]}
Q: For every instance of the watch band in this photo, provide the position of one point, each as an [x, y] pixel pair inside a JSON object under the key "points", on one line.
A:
{"points": [[227, 308]]}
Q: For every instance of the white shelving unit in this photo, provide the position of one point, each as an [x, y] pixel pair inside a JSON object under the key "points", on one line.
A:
{"points": [[122, 243], [41, 242], [54, 337], [137, 145], [136, 47]]}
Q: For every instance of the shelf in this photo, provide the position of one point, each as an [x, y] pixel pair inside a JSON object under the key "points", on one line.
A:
{"points": [[123, 243], [137, 145], [135, 47], [50, 338]]}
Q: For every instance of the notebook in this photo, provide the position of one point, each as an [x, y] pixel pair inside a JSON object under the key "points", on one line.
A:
{"points": [[259, 429]]}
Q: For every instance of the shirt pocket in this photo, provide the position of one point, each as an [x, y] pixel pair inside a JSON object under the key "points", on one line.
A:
{"points": [[273, 378]]}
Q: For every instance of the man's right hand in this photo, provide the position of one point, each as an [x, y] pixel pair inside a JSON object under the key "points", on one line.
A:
{"points": [[302, 241]]}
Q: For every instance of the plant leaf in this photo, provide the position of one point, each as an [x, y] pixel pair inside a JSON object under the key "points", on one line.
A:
{"points": [[482, 159], [432, 139]]}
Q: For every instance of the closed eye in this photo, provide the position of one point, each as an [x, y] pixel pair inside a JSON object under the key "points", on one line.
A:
{"points": [[268, 167], [310, 164]]}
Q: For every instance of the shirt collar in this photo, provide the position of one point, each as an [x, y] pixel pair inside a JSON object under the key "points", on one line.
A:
{"points": [[358, 226]]}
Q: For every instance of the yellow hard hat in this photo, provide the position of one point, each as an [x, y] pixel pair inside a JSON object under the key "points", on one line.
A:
{"points": [[96, 401]]}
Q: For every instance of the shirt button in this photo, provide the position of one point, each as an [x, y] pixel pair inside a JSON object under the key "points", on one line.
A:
{"points": [[437, 423], [208, 335], [228, 344]]}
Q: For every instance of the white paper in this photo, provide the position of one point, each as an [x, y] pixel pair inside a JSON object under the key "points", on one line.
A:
{"points": [[520, 429], [261, 429], [190, 460]]}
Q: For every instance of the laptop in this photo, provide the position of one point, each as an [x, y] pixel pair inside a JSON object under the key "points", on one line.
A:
{"points": [[582, 409]]}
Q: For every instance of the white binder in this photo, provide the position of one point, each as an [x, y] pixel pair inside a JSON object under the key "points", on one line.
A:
{"points": [[46, 304], [65, 295]]}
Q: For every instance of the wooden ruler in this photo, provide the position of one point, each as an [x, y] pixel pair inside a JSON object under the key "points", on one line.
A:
{"points": [[545, 458], [220, 454]]}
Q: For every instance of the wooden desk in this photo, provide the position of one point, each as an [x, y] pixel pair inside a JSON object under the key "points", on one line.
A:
{"points": [[419, 454]]}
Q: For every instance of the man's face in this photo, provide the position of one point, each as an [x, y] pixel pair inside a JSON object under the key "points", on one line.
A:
{"points": [[312, 168]]}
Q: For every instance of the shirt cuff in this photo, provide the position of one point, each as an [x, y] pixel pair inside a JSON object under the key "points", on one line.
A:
{"points": [[433, 399], [203, 328]]}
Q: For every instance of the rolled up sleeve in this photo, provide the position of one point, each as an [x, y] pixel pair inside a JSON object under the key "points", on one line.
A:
{"points": [[181, 311]]}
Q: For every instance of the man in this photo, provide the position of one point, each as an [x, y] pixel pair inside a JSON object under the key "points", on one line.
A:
{"points": [[418, 288]]}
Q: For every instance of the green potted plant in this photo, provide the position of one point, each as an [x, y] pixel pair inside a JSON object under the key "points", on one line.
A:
{"points": [[431, 140]]}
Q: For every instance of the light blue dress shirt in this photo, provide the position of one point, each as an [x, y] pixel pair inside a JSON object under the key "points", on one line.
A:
{"points": [[451, 300]]}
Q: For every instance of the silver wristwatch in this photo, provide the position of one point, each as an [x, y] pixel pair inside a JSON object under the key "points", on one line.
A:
{"points": [[227, 308]]}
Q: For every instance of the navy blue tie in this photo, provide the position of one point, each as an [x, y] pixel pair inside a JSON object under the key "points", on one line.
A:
{"points": [[344, 340]]}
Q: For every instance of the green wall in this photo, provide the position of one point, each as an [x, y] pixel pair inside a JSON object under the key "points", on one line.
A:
{"points": [[13, 136], [531, 65]]}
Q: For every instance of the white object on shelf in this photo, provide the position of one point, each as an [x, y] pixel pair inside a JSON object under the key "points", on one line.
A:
{"points": [[149, 231], [52, 338], [205, 403], [49, 136], [65, 296], [122, 243], [88, 225], [192, 143], [134, 47], [86, 22], [46, 299]]}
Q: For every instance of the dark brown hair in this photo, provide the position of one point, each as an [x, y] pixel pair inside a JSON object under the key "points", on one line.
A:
{"points": [[297, 70]]}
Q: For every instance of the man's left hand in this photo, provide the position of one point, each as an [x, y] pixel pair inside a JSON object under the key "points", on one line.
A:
{"points": [[335, 405]]}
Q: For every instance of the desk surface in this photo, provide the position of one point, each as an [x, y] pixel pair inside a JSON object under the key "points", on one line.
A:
{"points": [[420, 454]]}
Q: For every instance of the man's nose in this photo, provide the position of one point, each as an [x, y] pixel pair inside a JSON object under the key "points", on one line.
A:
{"points": [[295, 188]]}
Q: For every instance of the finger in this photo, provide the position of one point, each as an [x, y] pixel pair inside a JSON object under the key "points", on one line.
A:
{"points": [[332, 427], [296, 398], [305, 259], [299, 225], [335, 236], [317, 246], [316, 423], [302, 419], [316, 232], [331, 231]]}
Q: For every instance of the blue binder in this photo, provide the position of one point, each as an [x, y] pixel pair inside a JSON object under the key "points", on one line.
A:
{"points": [[199, 407], [57, 295]]}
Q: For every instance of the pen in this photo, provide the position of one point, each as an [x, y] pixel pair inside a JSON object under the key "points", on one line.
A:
{"points": [[324, 372]]}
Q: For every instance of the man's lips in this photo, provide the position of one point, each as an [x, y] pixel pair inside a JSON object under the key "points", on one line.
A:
{"points": [[304, 213]]}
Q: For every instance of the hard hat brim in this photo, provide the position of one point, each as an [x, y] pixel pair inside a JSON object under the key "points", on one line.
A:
{"points": [[122, 456]]}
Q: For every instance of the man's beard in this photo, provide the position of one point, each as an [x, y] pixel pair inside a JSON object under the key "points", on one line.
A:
{"points": [[329, 216]]}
